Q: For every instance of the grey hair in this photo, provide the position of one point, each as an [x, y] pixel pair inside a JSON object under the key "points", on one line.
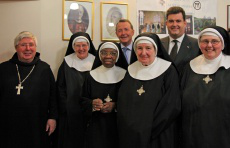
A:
{"points": [[24, 34]]}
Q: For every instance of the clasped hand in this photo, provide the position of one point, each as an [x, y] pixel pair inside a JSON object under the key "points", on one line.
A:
{"points": [[98, 105]]}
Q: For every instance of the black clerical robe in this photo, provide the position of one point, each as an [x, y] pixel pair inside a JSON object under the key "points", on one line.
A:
{"points": [[102, 127], [71, 125], [146, 117], [24, 116], [206, 109]]}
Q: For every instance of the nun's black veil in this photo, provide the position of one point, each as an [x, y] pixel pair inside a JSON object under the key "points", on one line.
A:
{"points": [[121, 62], [226, 38], [70, 49], [161, 52]]}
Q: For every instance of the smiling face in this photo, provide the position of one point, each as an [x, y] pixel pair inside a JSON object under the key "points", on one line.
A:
{"points": [[124, 32], [26, 50], [145, 53], [81, 49], [108, 57], [176, 25], [210, 46]]}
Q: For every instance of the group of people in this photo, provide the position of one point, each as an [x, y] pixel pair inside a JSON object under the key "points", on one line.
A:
{"points": [[147, 93]]}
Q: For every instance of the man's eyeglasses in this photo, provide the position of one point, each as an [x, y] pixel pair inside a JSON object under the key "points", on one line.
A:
{"points": [[213, 42], [113, 54], [27, 44]]}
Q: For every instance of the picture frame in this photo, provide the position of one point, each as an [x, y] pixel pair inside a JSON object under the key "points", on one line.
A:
{"points": [[151, 21], [228, 17], [111, 13], [77, 16]]}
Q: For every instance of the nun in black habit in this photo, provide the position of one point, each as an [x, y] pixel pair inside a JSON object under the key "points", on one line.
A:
{"points": [[99, 96], [206, 113], [77, 63], [149, 97]]}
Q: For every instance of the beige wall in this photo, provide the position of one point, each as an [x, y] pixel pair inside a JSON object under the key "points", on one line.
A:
{"points": [[44, 19]]}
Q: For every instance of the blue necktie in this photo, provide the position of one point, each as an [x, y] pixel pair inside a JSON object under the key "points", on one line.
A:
{"points": [[124, 51]]}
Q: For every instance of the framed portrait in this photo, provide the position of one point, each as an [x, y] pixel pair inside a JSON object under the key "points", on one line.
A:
{"points": [[77, 17], [111, 13], [228, 17]]}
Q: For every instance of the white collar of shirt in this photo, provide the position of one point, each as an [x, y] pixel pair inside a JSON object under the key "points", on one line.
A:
{"points": [[201, 65], [80, 64], [129, 46], [108, 75], [140, 72], [171, 43]]}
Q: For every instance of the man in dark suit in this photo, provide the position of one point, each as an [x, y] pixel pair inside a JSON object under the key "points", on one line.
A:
{"points": [[125, 32], [181, 47]]}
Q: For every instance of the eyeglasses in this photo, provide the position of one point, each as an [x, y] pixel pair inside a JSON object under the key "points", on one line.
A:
{"points": [[113, 54], [27, 44], [213, 42], [83, 46]]}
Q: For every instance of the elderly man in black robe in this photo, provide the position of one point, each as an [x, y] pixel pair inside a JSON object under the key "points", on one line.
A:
{"points": [[28, 108]]}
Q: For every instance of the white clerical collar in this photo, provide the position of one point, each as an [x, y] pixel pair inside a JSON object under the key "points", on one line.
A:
{"points": [[80, 64], [201, 65], [108, 75], [140, 72], [180, 39]]}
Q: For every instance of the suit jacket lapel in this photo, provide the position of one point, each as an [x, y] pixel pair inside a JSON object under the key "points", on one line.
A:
{"points": [[165, 43], [184, 50]]}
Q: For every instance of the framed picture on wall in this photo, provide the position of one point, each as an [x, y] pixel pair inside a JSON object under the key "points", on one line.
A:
{"points": [[111, 13], [228, 17], [77, 17], [151, 21]]}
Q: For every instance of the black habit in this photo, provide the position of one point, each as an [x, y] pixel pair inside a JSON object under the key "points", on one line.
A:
{"points": [[148, 120], [71, 126], [69, 87], [206, 107], [24, 116], [143, 121], [101, 127], [205, 110]]}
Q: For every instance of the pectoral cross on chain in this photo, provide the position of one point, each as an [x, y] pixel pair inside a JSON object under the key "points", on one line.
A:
{"points": [[207, 79], [19, 87], [141, 91]]}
